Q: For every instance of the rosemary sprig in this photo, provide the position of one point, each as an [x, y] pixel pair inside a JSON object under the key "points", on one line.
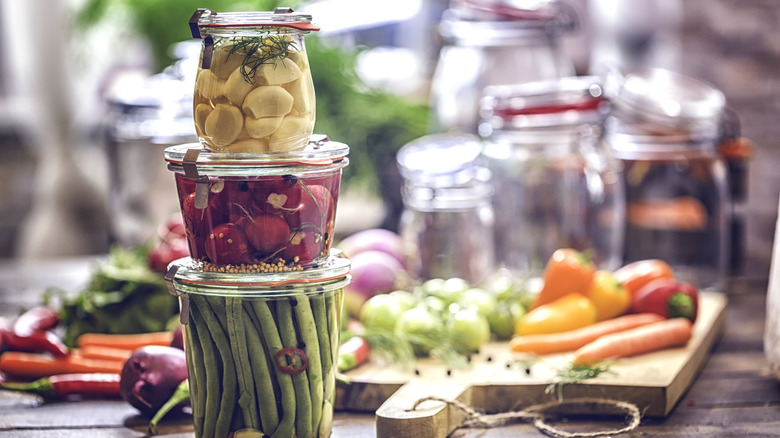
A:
{"points": [[260, 50], [576, 374]]}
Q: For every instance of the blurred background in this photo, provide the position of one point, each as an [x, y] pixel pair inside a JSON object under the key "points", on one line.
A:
{"points": [[92, 91]]}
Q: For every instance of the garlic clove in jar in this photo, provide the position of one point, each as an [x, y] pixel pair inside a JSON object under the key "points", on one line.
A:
{"points": [[237, 87], [224, 124], [202, 111], [282, 71], [302, 91], [292, 134], [223, 62], [248, 146], [209, 85], [268, 101], [262, 127]]}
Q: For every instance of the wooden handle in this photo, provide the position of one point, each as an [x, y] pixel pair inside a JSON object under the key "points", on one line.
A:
{"points": [[432, 419]]}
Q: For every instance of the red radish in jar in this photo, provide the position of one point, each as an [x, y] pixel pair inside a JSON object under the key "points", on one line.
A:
{"points": [[304, 246], [317, 207], [266, 232], [227, 245], [279, 196]]}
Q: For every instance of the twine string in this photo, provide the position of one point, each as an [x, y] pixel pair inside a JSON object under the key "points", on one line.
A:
{"points": [[535, 414]]}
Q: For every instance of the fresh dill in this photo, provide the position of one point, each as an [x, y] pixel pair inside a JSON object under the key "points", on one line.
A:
{"points": [[576, 374], [257, 51]]}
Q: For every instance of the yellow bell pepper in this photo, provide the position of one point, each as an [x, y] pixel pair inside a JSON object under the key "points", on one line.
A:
{"points": [[571, 311], [608, 295]]}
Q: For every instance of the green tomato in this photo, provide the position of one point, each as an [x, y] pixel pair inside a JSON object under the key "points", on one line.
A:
{"points": [[469, 330], [503, 318], [434, 286], [381, 312], [407, 300], [481, 300], [449, 290], [418, 323]]}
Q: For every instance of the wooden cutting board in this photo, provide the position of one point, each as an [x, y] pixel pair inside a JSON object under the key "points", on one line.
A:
{"points": [[497, 380]]}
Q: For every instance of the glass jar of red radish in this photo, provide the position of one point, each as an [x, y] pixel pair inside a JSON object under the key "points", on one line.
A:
{"points": [[259, 213]]}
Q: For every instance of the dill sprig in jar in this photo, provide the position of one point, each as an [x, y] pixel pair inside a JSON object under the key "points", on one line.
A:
{"points": [[254, 90]]}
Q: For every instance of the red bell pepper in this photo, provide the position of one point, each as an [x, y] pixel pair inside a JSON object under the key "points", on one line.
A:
{"points": [[669, 298]]}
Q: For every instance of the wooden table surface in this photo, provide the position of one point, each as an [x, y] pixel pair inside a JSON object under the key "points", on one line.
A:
{"points": [[733, 395]]}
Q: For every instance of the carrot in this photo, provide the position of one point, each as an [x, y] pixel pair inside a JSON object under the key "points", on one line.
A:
{"points": [[644, 339], [34, 366], [126, 342], [106, 353], [574, 339]]}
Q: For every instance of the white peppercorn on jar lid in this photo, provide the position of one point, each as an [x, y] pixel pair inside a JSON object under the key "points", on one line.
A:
{"points": [[320, 153], [185, 276]]}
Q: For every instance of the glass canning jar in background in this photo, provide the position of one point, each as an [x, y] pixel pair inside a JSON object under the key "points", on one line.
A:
{"points": [[666, 128], [495, 42], [556, 185], [254, 90], [447, 221]]}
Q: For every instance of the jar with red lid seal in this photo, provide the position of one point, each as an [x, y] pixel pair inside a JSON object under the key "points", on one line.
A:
{"points": [[261, 349], [259, 213], [495, 42], [556, 185], [254, 90]]}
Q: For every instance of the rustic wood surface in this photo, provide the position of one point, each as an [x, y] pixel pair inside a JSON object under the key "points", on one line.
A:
{"points": [[733, 395]]}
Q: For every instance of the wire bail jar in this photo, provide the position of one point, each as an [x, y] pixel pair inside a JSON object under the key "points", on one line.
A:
{"points": [[447, 222], [254, 90], [556, 185]]}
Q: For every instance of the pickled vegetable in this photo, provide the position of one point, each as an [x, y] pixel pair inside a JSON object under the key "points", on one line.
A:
{"points": [[256, 96]]}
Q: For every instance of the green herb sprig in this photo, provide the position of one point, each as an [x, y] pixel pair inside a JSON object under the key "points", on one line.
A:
{"points": [[576, 374], [259, 51]]}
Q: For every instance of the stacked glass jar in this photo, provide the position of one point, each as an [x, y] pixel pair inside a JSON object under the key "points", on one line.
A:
{"points": [[666, 128], [261, 293], [556, 186]]}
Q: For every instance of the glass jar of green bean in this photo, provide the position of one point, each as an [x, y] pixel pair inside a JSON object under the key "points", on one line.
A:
{"points": [[261, 349]]}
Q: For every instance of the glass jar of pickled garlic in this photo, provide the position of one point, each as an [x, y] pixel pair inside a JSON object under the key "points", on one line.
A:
{"points": [[254, 90]]}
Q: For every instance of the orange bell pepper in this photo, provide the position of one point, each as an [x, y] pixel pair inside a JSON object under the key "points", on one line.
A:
{"points": [[568, 271]]}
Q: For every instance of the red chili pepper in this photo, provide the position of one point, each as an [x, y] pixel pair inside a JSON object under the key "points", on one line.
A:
{"points": [[291, 360], [669, 298], [39, 318], [353, 353], [35, 342], [63, 385]]}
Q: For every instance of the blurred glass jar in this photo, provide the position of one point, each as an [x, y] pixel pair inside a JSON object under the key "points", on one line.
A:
{"points": [[146, 116], [254, 90], [447, 222], [666, 128], [556, 185], [495, 42]]}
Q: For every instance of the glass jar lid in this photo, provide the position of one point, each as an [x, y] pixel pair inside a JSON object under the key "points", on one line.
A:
{"points": [[319, 153], [666, 98], [187, 276], [548, 103], [440, 160], [205, 21], [504, 22]]}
